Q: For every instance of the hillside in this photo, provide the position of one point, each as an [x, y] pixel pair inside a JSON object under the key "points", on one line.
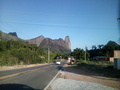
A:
{"points": [[8, 36], [112, 43], [57, 45]]}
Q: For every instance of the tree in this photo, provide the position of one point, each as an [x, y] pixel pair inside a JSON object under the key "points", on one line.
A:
{"points": [[0, 35], [108, 50], [79, 54], [2, 46], [100, 46], [94, 47], [104, 50]]}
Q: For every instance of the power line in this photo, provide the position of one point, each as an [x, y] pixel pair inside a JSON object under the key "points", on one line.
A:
{"points": [[58, 25]]}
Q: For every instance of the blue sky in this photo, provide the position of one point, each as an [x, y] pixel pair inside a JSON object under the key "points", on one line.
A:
{"points": [[86, 22]]}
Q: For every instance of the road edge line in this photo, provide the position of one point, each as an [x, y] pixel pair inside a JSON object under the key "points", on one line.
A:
{"points": [[52, 80]]}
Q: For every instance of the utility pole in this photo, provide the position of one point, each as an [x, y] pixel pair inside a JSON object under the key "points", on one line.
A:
{"points": [[48, 52], [48, 55]]}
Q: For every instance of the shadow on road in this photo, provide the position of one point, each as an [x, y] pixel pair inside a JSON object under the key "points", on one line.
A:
{"points": [[59, 67], [16, 87]]}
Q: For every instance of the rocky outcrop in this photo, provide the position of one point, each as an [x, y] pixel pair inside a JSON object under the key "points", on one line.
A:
{"points": [[10, 36], [59, 45], [36, 41], [13, 34], [67, 42]]}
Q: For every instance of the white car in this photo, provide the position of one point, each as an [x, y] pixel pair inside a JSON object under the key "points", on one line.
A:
{"points": [[58, 62]]}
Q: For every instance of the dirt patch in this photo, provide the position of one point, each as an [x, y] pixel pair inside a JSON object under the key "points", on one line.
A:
{"points": [[83, 74]]}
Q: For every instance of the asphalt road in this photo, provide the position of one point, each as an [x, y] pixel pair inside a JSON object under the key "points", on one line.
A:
{"points": [[33, 78]]}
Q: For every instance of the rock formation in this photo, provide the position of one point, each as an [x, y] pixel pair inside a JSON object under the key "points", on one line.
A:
{"points": [[13, 34], [56, 45], [36, 41], [59, 45], [9, 36], [67, 42]]}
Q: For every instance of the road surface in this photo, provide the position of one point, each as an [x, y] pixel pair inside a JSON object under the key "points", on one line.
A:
{"points": [[33, 78]]}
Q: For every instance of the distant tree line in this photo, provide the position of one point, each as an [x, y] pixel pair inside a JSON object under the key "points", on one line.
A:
{"points": [[100, 50], [104, 50]]}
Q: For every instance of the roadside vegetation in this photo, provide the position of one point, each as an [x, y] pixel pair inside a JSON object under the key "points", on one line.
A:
{"points": [[104, 50], [100, 50], [21, 53], [84, 59]]}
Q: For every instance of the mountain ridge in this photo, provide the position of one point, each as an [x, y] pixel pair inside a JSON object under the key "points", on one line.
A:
{"points": [[112, 43], [8, 36], [13, 34], [57, 45], [60, 45]]}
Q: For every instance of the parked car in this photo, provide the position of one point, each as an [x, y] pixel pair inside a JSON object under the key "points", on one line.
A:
{"points": [[58, 62]]}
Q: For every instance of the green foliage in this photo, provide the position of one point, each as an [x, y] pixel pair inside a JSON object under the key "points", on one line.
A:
{"points": [[106, 50], [15, 52], [79, 54], [7, 59], [23, 54], [2, 46], [0, 33], [109, 49], [61, 55]]}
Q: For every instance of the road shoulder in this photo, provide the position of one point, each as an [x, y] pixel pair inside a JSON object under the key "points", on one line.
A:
{"points": [[83, 75], [3, 68]]}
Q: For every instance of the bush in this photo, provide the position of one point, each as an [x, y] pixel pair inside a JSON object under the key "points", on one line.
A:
{"points": [[8, 60]]}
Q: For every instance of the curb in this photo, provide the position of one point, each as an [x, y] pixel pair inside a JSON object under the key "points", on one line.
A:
{"points": [[52, 80]]}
